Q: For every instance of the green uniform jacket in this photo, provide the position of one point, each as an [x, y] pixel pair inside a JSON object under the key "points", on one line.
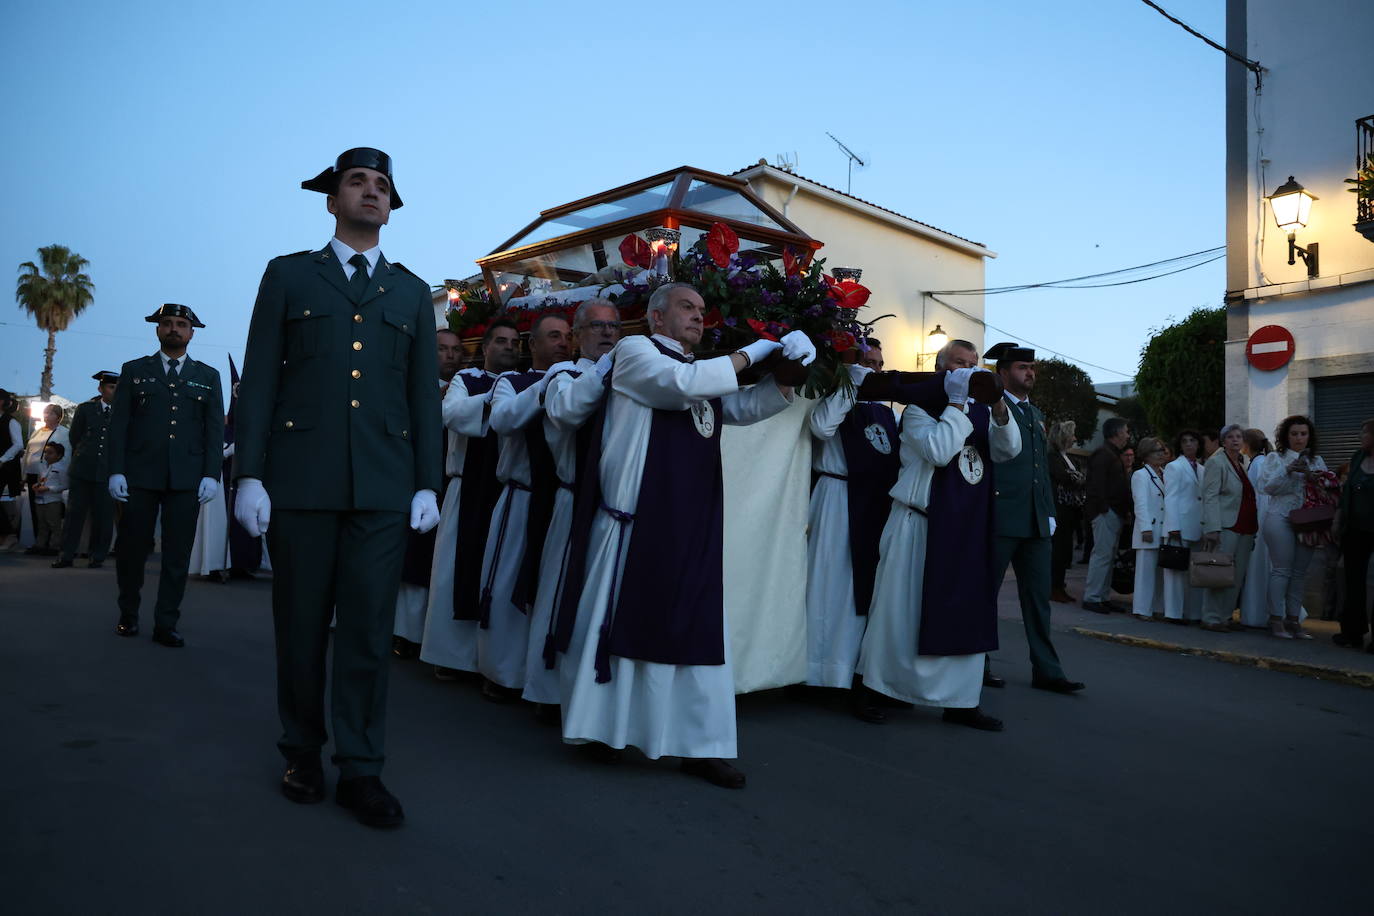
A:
{"points": [[166, 435], [337, 407], [1025, 501], [90, 434]]}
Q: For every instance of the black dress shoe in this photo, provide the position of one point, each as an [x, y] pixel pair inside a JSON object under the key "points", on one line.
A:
{"points": [[992, 680], [863, 705], [973, 718], [598, 752], [1348, 642], [169, 638], [369, 801], [404, 648], [94, 564], [1100, 607], [303, 781], [715, 771], [61, 564], [127, 627], [1057, 684], [498, 694]]}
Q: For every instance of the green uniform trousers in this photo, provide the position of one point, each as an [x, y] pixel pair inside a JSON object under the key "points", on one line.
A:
{"points": [[1030, 558], [179, 510], [345, 565], [88, 497]]}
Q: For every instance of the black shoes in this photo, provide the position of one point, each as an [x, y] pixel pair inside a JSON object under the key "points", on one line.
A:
{"points": [[863, 704], [94, 564], [127, 626], [715, 771], [1348, 642], [303, 781], [169, 638], [403, 648], [61, 563], [369, 801], [992, 680], [1056, 684], [973, 718], [495, 693], [1101, 607]]}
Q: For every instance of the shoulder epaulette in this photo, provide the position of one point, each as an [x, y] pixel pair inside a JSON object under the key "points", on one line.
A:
{"points": [[296, 254], [407, 270]]}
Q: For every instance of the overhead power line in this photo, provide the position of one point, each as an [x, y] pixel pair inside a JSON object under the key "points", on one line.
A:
{"points": [[1252, 65], [1081, 282]]}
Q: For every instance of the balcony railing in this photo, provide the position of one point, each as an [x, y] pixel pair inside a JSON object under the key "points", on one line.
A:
{"points": [[1364, 162]]}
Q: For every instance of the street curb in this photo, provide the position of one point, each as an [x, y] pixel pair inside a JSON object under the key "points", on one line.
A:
{"points": [[1324, 672]]}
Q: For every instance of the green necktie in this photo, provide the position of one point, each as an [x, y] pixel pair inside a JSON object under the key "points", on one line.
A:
{"points": [[172, 369], [358, 285]]}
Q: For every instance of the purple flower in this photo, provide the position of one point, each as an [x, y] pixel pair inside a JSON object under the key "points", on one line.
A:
{"points": [[813, 312], [730, 322]]}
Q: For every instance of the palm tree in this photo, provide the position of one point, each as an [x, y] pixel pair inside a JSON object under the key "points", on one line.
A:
{"points": [[54, 295]]}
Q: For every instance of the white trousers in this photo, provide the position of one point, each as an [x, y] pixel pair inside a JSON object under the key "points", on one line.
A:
{"points": [[1181, 601], [1149, 583], [1288, 561]]}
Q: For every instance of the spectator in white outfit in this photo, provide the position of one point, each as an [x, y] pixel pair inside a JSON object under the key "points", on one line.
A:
{"points": [[1183, 525], [49, 508], [1284, 479], [1147, 495], [1254, 598]]}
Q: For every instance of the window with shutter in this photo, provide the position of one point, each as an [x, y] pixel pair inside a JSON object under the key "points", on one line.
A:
{"points": [[1340, 405]]}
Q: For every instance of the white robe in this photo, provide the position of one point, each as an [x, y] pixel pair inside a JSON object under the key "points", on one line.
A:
{"points": [[412, 601], [501, 647], [676, 710], [834, 630], [568, 402], [888, 660], [210, 550], [447, 642], [767, 475]]}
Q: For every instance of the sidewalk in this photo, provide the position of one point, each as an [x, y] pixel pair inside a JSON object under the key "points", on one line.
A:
{"points": [[1318, 657]]}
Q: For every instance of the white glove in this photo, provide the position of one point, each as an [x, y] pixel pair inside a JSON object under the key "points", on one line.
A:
{"points": [[759, 350], [229, 451], [858, 373], [604, 364], [796, 345], [1054, 523], [119, 488], [209, 486], [252, 506], [956, 385], [424, 511]]}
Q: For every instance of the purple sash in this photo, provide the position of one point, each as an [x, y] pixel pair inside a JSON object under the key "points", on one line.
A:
{"points": [[543, 491], [959, 596], [670, 604], [865, 433], [476, 500]]}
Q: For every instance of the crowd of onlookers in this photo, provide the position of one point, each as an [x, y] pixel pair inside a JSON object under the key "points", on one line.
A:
{"points": [[1207, 525], [33, 477]]}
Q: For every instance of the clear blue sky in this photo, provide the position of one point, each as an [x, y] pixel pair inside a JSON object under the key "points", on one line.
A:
{"points": [[166, 142]]}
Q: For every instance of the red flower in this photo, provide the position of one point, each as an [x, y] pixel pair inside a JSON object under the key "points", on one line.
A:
{"points": [[848, 294], [475, 332], [634, 251], [791, 264], [721, 242], [525, 321], [760, 328], [840, 341], [712, 319]]}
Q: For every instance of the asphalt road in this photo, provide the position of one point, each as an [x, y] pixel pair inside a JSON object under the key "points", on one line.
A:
{"points": [[140, 779]]}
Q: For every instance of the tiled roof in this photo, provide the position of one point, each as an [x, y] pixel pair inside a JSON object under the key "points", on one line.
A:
{"points": [[852, 197]]}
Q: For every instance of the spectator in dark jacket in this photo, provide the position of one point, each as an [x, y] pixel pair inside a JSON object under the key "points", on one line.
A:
{"points": [[1068, 477], [1108, 506]]}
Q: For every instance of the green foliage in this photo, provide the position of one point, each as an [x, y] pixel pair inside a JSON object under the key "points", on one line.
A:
{"points": [[1181, 382], [1364, 178], [54, 294], [1133, 412], [1065, 392]]}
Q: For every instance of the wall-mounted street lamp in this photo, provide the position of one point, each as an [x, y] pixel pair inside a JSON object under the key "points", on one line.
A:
{"points": [[1292, 203], [937, 339]]}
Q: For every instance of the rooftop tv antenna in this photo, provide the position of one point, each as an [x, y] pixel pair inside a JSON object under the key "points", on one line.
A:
{"points": [[853, 158]]}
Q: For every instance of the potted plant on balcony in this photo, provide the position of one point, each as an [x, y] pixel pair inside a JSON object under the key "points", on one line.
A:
{"points": [[1364, 189]]}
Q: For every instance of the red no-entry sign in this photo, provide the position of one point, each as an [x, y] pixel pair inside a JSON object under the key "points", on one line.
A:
{"points": [[1270, 348]]}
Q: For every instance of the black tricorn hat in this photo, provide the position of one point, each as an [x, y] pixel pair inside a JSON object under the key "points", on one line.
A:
{"points": [[105, 375], [172, 310], [362, 157], [1006, 353]]}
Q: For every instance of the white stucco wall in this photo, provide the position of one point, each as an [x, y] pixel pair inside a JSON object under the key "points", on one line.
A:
{"points": [[1318, 82]]}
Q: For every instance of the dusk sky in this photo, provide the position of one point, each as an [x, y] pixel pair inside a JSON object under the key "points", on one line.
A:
{"points": [[166, 142]]}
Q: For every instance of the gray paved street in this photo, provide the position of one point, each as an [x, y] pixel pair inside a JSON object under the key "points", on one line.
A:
{"points": [[140, 779]]}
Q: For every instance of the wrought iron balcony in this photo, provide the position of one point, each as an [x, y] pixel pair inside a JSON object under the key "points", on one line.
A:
{"points": [[1364, 177]]}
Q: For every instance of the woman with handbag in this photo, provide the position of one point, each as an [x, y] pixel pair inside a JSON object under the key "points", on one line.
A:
{"points": [[1182, 529], [1294, 478], [1356, 527], [1147, 495], [1230, 519], [1070, 492]]}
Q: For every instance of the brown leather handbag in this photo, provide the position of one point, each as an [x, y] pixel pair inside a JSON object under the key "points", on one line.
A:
{"points": [[1211, 570]]}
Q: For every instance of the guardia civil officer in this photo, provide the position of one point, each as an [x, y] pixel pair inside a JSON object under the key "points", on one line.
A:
{"points": [[89, 471], [337, 445], [166, 436]]}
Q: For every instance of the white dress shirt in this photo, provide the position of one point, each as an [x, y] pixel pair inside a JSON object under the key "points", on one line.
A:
{"points": [[343, 253]]}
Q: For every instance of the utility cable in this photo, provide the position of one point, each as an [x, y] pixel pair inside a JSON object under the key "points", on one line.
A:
{"points": [[1252, 65], [1218, 252]]}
